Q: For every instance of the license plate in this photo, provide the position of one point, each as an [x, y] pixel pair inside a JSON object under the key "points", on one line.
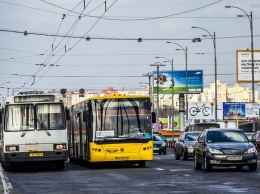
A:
{"points": [[234, 158], [155, 148], [36, 154], [122, 158]]}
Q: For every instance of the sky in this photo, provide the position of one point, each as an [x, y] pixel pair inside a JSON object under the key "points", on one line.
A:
{"points": [[56, 44]]}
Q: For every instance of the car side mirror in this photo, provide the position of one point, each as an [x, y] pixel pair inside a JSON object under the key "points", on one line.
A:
{"points": [[252, 140]]}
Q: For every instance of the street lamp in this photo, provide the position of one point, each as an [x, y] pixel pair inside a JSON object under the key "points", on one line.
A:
{"points": [[186, 72], [172, 119], [157, 65], [250, 17], [145, 87], [149, 75], [213, 37]]}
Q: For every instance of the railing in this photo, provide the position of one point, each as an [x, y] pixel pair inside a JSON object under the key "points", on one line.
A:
{"points": [[170, 144]]}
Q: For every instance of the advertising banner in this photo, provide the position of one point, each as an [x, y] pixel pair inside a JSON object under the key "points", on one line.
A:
{"points": [[244, 65], [201, 110], [234, 111], [164, 80], [165, 124], [252, 110]]}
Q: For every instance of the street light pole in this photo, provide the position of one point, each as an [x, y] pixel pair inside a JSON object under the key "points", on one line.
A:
{"points": [[186, 72], [250, 17], [149, 75], [157, 65], [215, 64], [172, 119]]}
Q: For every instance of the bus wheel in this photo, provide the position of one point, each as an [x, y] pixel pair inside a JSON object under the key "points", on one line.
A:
{"points": [[141, 164], [60, 165]]}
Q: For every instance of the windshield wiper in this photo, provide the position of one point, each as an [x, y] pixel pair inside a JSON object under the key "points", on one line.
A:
{"points": [[42, 127], [23, 134]]}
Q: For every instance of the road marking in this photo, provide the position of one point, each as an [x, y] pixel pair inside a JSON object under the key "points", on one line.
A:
{"points": [[159, 169], [175, 170]]}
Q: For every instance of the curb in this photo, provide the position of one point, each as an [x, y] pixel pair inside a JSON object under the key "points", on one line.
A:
{"points": [[3, 186]]}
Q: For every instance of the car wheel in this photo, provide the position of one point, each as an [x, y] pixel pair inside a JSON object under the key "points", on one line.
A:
{"points": [[207, 166], [184, 156], [197, 166], [252, 167], [160, 153], [177, 157], [165, 152], [141, 164]]}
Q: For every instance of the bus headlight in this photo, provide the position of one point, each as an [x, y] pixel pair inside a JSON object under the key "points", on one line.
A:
{"points": [[12, 148], [60, 146]]}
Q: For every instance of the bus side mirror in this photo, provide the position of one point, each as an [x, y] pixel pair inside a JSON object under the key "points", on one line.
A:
{"points": [[153, 117], [67, 114], [85, 115]]}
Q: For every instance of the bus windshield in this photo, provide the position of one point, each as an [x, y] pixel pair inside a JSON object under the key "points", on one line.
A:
{"points": [[50, 116], [19, 117], [122, 118], [26, 117]]}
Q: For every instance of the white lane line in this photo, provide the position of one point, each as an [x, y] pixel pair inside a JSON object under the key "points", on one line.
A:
{"points": [[159, 168]]}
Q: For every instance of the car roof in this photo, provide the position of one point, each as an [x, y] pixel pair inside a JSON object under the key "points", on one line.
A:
{"points": [[223, 129]]}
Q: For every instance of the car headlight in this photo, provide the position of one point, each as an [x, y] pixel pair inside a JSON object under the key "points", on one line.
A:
{"points": [[251, 150], [215, 151], [163, 144]]}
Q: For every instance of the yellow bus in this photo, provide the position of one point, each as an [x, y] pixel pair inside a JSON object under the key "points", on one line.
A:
{"points": [[112, 128]]}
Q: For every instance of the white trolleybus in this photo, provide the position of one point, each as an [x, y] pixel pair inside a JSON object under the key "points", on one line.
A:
{"points": [[33, 130]]}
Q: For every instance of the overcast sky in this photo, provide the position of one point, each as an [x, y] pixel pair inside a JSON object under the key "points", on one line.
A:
{"points": [[56, 54]]}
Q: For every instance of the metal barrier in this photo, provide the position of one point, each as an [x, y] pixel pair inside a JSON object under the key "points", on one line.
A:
{"points": [[170, 144]]}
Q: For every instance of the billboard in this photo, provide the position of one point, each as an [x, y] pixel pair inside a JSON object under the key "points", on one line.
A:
{"points": [[201, 110], [244, 65], [252, 110], [164, 80], [234, 111]]}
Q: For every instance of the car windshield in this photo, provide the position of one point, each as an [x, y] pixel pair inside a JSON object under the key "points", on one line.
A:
{"points": [[157, 138], [226, 136], [191, 136]]}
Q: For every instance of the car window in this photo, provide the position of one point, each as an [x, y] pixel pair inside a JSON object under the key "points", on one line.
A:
{"points": [[226, 136], [157, 138], [201, 137], [257, 136]]}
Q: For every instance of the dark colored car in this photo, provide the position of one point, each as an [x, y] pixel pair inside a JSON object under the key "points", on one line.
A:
{"points": [[224, 147], [256, 140], [159, 144], [184, 145]]}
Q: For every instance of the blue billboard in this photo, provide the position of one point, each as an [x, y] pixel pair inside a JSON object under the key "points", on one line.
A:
{"points": [[234, 110], [164, 80]]}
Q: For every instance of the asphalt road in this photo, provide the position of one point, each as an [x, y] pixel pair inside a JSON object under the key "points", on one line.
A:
{"points": [[163, 175]]}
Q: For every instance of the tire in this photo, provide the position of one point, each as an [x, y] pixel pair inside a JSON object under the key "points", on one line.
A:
{"points": [[165, 152], [197, 166], [160, 153], [60, 165], [252, 167], [184, 156], [141, 164], [177, 157], [207, 166]]}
